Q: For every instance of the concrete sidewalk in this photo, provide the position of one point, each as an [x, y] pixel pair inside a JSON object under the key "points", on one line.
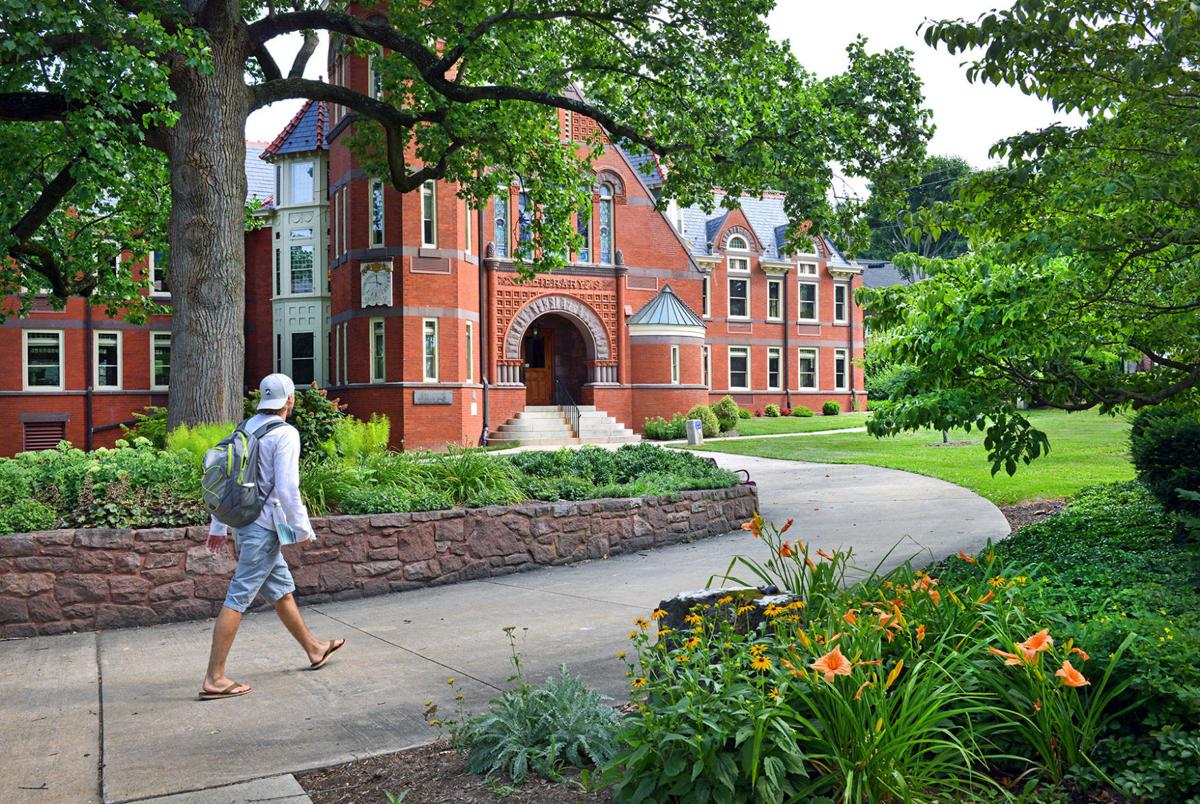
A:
{"points": [[113, 716]]}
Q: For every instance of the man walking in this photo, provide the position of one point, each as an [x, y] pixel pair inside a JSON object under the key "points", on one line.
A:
{"points": [[261, 565]]}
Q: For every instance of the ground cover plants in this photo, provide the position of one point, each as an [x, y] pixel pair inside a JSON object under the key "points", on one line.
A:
{"points": [[350, 470]]}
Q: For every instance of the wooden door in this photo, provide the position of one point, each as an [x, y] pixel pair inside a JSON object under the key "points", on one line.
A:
{"points": [[539, 369]]}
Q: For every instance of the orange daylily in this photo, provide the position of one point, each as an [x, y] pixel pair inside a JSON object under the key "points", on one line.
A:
{"points": [[1009, 658], [832, 664], [850, 616], [935, 596], [809, 562], [1082, 654], [966, 558], [824, 555], [1070, 676], [786, 526], [920, 632], [991, 594], [861, 687], [1039, 642], [755, 526], [785, 550]]}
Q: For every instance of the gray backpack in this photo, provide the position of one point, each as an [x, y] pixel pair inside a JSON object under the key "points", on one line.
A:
{"points": [[232, 487]]}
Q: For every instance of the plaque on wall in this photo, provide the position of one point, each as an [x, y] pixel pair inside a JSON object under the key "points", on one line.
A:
{"points": [[431, 396], [376, 284]]}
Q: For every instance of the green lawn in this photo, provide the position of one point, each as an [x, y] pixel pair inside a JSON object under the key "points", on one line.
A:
{"points": [[764, 425], [1085, 448]]}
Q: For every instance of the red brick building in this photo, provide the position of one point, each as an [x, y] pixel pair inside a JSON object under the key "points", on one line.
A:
{"points": [[410, 305]]}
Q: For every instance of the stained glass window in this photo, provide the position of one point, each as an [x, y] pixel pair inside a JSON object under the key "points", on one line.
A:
{"points": [[606, 223], [500, 216]]}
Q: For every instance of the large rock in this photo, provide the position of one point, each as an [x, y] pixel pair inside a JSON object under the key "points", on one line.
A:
{"points": [[26, 584], [81, 589]]}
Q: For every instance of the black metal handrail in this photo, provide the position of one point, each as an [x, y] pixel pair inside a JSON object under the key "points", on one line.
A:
{"points": [[563, 398]]}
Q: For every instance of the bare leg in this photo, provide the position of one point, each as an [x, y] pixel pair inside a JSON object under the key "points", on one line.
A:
{"points": [[289, 613], [224, 632]]}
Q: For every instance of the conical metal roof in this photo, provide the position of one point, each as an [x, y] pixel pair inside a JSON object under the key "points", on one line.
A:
{"points": [[666, 309]]}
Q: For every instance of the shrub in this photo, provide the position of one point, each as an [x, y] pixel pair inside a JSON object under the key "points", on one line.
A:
{"points": [[726, 408], [711, 425], [659, 429], [772, 410], [151, 425], [354, 439], [553, 489], [744, 413], [888, 381], [315, 416], [195, 441], [14, 482], [372, 499], [1165, 448], [325, 484], [801, 412], [727, 425], [539, 729], [831, 408], [26, 516], [468, 475]]}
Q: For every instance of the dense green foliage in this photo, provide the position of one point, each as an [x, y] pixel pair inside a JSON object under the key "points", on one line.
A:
{"points": [[711, 425], [726, 408], [1165, 447], [802, 412], [315, 416], [892, 231], [831, 408], [1086, 241], [771, 410], [659, 429], [886, 381]]}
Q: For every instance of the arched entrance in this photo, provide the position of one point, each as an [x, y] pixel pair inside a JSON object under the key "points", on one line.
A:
{"points": [[553, 355], [556, 339]]}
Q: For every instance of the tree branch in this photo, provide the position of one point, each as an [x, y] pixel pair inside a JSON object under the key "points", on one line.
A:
{"points": [[303, 55]]}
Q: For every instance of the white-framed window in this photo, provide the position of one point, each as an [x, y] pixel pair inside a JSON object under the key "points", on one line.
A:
{"points": [[345, 353], [736, 243], [376, 217], [429, 340], [708, 367], [607, 224], [840, 369], [278, 272], [739, 297], [738, 265], [304, 363], [302, 183], [429, 234], [43, 358], [674, 365], [500, 222], [807, 294], [583, 226], [467, 228], [739, 368], [469, 351], [378, 350], [345, 220], [374, 79], [106, 360], [160, 360], [706, 297], [774, 300], [807, 368], [158, 269], [806, 269], [300, 263], [841, 303], [774, 368]]}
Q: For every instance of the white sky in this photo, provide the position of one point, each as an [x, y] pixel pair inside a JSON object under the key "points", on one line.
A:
{"points": [[969, 118]]}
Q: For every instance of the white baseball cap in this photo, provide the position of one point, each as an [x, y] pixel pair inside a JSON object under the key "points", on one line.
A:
{"points": [[274, 390]]}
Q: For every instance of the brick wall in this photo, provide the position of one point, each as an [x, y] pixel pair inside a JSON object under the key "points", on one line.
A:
{"points": [[72, 580]]}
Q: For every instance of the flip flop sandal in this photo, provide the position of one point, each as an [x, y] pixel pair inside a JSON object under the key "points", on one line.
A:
{"points": [[334, 646], [228, 692]]}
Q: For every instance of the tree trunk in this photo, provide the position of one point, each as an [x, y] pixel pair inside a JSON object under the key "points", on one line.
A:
{"points": [[207, 265]]}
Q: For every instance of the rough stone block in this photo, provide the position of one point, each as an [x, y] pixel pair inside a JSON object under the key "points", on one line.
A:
{"points": [[384, 553], [353, 551], [176, 610], [44, 609], [93, 561], [104, 538], [209, 588], [163, 535], [307, 579], [83, 612], [26, 584], [180, 590], [416, 543], [55, 564], [13, 546], [422, 570], [62, 537], [451, 529], [128, 589], [161, 576], [19, 631], [373, 568], [81, 589], [202, 562], [494, 537], [383, 521], [309, 557], [336, 576], [161, 561], [13, 610]]}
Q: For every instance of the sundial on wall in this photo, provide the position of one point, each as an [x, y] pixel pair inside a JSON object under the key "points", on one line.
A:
{"points": [[376, 284]]}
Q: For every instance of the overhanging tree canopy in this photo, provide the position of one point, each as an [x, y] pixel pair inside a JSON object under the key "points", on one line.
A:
{"points": [[105, 98], [1086, 242]]}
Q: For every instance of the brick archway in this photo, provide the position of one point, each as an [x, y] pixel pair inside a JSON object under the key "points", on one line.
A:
{"points": [[595, 337]]}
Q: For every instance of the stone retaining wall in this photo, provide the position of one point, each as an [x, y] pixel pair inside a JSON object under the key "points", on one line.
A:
{"points": [[73, 580]]}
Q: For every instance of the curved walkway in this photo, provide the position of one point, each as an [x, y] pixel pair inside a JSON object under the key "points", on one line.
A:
{"points": [[119, 706]]}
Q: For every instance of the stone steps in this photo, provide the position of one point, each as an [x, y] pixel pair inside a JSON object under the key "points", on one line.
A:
{"points": [[546, 425]]}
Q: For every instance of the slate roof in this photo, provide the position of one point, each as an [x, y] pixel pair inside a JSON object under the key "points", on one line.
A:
{"points": [[306, 132], [881, 274], [766, 217], [666, 309], [260, 177], [646, 166]]}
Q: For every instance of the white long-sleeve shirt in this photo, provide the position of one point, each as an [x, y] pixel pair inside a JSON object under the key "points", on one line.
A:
{"points": [[279, 463]]}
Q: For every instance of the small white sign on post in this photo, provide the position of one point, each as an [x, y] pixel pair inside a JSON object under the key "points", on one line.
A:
{"points": [[695, 432]]}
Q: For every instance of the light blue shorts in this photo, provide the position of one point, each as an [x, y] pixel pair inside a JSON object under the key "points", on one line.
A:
{"points": [[260, 566]]}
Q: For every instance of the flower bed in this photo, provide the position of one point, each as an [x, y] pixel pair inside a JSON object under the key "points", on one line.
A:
{"points": [[1062, 660], [78, 579]]}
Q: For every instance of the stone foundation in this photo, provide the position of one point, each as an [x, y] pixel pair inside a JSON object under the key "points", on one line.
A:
{"points": [[76, 580]]}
